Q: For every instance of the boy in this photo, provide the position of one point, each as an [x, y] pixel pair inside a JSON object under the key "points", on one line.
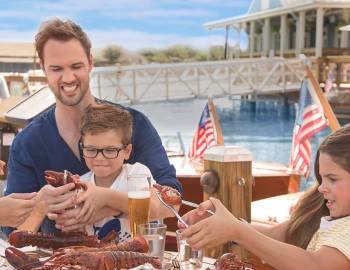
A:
{"points": [[105, 144]]}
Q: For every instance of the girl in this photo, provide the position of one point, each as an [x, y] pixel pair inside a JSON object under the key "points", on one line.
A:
{"points": [[317, 236]]}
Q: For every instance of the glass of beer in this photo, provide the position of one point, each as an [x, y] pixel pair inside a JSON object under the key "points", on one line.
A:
{"points": [[139, 196]]}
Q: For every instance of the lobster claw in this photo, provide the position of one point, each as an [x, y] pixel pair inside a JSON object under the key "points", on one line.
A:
{"points": [[20, 260], [58, 179]]}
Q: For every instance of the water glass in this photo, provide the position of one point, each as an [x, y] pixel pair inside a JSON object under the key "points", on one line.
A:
{"points": [[155, 235], [188, 258], [139, 197]]}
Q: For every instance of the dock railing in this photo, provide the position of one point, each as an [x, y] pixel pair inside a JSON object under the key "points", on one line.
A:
{"points": [[166, 82]]}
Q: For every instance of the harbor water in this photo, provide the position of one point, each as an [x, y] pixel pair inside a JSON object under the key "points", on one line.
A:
{"points": [[264, 127]]}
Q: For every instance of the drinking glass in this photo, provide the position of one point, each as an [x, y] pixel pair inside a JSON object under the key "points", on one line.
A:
{"points": [[188, 258], [139, 196], [155, 235]]}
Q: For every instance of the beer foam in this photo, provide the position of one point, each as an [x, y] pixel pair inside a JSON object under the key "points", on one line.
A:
{"points": [[140, 194]]}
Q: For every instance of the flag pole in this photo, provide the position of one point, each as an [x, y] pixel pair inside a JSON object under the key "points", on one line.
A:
{"points": [[332, 120], [215, 119]]}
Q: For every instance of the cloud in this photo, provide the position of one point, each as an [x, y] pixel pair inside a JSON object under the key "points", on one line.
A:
{"points": [[121, 9], [160, 13], [17, 35], [89, 5], [135, 40], [129, 39], [218, 3], [132, 24]]}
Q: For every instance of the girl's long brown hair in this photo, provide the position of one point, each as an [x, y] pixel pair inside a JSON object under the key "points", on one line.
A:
{"points": [[306, 218]]}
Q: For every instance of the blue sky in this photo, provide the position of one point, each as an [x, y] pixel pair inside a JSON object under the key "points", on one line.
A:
{"points": [[133, 24]]}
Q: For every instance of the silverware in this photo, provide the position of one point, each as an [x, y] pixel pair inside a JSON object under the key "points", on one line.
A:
{"points": [[172, 209], [195, 205], [65, 177], [175, 262]]}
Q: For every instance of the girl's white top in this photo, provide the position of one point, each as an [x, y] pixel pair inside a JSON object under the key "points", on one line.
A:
{"points": [[332, 233]]}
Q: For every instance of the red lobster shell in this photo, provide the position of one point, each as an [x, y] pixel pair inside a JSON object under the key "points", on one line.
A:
{"points": [[88, 260], [52, 240], [137, 244], [58, 179], [230, 261], [76, 239]]}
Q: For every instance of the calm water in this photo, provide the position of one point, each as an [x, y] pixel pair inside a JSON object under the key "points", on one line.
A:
{"points": [[264, 128]]}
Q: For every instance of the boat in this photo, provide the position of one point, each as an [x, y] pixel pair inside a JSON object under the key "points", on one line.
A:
{"points": [[270, 180]]}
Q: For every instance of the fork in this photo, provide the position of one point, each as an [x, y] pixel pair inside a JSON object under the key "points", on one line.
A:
{"points": [[172, 209], [65, 176], [195, 205], [175, 262]]}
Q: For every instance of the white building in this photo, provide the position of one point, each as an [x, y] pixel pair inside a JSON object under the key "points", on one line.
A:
{"points": [[17, 57], [290, 27]]}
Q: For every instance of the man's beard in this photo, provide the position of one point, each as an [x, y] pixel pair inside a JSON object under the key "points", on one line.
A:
{"points": [[82, 90]]}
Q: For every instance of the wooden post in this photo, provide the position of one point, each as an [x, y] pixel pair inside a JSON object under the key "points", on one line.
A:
{"points": [[332, 120], [233, 165]]}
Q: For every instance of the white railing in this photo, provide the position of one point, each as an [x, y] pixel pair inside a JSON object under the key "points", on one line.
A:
{"points": [[164, 82]]}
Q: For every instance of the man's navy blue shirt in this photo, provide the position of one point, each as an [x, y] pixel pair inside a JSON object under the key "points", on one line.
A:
{"points": [[39, 147]]}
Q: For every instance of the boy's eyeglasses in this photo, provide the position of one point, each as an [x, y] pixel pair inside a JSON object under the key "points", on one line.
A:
{"points": [[109, 152]]}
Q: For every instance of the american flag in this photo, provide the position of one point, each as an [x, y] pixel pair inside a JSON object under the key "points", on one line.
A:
{"points": [[310, 120], [204, 136]]}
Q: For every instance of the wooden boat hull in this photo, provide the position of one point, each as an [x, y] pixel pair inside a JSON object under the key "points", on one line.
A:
{"points": [[269, 180], [264, 187]]}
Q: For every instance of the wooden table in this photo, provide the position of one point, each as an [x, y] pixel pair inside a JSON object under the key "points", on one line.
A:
{"points": [[275, 209], [208, 263]]}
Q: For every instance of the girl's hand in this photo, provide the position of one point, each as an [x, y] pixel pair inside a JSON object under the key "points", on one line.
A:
{"points": [[16, 208], [197, 215], [214, 230]]}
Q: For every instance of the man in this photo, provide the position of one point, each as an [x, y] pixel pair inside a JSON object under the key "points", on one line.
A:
{"points": [[51, 141]]}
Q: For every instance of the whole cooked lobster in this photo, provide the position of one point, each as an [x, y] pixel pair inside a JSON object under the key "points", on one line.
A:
{"points": [[81, 259], [52, 240], [108, 256], [66, 239]]}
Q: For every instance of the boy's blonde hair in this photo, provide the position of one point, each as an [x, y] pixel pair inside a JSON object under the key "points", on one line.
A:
{"points": [[105, 117]]}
